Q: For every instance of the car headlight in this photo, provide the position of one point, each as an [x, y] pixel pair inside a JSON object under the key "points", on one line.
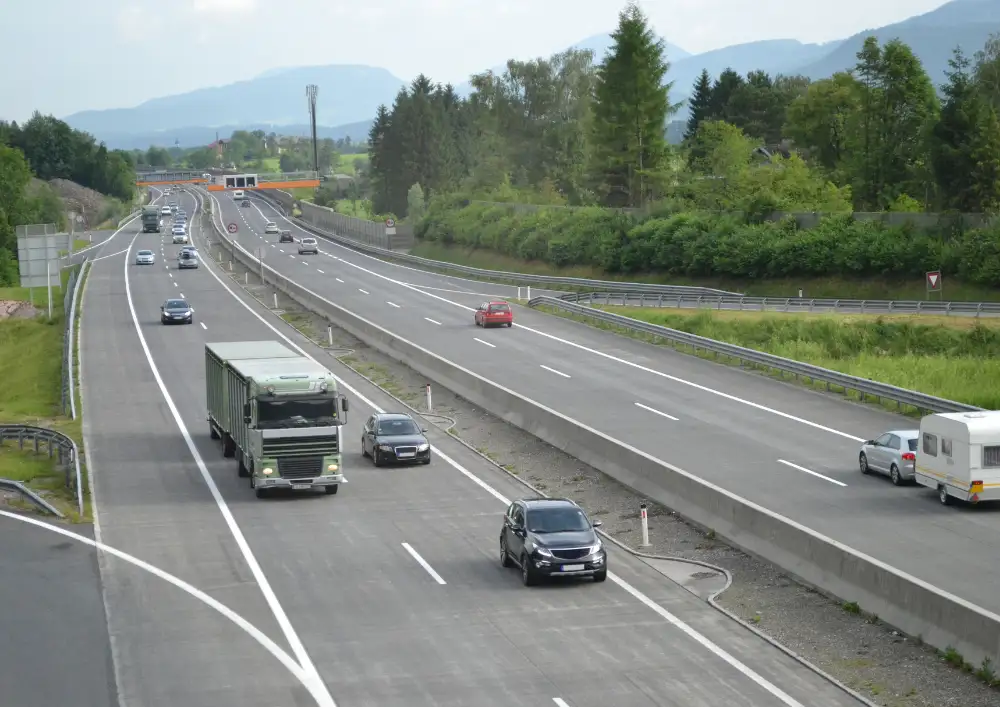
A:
{"points": [[385, 447], [267, 471], [543, 551], [596, 547], [423, 447]]}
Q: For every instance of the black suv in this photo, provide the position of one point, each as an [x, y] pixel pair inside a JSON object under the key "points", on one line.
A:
{"points": [[285, 237], [552, 537], [393, 437]]}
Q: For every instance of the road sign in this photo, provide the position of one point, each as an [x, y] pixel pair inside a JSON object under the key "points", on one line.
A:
{"points": [[390, 228], [232, 228], [934, 281], [390, 223]]}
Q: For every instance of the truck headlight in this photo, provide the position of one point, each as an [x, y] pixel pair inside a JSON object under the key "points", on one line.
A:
{"points": [[332, 467], [423, 447], [267, 471]]}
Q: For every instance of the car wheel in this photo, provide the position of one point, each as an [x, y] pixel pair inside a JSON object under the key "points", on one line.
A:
{"points": [[897, 480], [601, 576], [863, 463], [426, 461], [364, 452], [332, 490], [504, 555], [510, 324], [528, 577], [376, 457]]}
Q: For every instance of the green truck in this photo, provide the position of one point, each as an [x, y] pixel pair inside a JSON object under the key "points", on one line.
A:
{"points": [[150, 219], [277, 412]]}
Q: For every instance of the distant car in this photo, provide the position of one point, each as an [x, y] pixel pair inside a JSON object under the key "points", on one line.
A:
{"points": [[271, 227], [245, 203], [494, 314], [390, 438], [176, 311], [145, 257], [179, 236], [187, 259], [189, 249], [551, 537], [165, 211], [308, 245], [285, 237], [894, 453]]}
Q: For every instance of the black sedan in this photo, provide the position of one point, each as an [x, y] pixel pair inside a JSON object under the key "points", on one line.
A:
{"points": [[176, 311], [552, 537], [394, 438]]}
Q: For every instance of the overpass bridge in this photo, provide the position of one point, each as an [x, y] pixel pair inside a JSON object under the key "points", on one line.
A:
{"points": [[229, 182]]}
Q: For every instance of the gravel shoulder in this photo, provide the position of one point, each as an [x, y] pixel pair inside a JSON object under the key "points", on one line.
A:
{"points": [[882, 665]]}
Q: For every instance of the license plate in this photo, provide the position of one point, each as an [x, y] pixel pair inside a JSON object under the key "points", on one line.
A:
{"points": [[572, 568], [405, 455], [301, 487]]}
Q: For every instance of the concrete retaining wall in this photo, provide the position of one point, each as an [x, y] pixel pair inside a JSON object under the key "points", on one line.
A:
{"points": [[901, 600]]}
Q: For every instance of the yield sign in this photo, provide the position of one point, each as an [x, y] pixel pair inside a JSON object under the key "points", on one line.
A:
{"points": [[934, 281]]}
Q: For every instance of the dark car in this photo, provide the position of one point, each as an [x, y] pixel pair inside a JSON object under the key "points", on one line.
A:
{"points": [[176, 311], [390, 438], [245, 203], [285, 237], [551, 537]]}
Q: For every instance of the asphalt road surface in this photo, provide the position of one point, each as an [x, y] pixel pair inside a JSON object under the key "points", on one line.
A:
{"points": [[792, 450], [55, 648], [329, 580]]}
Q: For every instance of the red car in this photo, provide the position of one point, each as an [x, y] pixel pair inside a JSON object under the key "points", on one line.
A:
{"points": [[494, 313]]}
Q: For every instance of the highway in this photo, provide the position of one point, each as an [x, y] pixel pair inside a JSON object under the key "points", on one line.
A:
{"points": [[390, 593], [789, 449]]}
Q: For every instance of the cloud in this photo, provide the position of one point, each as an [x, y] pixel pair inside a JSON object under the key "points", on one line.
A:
{"points": [[222, 6]]}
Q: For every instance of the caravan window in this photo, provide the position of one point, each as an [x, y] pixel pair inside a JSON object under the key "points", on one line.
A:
{"points": [[930, 444], [946, 446], [912, 443], [991, 457]]}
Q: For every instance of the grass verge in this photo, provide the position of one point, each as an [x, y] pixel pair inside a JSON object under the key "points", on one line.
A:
{"points": [[819, 288], [31, 368], [950, 357]]}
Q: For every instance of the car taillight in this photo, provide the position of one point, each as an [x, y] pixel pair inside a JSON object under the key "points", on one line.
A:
{"points": [[909, 456]]}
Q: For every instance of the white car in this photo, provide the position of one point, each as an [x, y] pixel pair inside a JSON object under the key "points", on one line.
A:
{"points": [[308, 245], [165, 211], [271, 227], [145, 257]]}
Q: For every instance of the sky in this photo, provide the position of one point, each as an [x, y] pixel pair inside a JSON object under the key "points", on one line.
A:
{"points": [[63, 56]]}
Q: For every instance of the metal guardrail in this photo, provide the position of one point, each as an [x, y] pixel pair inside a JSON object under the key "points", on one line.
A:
{"points": [[549, 281], [784, 304], [68, 402], [56, 444], [863, 386]]}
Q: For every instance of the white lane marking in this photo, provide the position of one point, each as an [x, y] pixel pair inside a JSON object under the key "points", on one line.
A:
{"points": [[364, 291], [339, 280], [560, 702], [616, 359], [654, 410], [320, 271], [176, 285], [810, 471], [486, 343], [170, 274], [432, 321], [318, 688], [94, 260], [182, 295], [659, 610], [552, 370], [203, 325], [423, 563], [459, 292], [392, 304], [201, 596]]}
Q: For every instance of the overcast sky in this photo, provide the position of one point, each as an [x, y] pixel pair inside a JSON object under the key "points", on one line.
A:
{"points": [[62, 56]]}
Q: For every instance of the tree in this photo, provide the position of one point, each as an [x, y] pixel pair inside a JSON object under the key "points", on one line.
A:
{"points": [[158, 157], [820, 121], [723, 89], [15, 209], [987, 71], [954, 137], [700, 104], [415, 203], [378, 160], [630, 111]]}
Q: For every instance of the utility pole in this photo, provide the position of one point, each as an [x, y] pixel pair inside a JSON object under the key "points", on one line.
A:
{"points": [[312, 90]]}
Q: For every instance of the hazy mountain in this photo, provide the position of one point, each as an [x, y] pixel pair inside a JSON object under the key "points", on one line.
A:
{"points": [[195, 136]]}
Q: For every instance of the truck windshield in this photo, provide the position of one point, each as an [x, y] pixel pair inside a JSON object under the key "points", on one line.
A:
{"points": [[277, 414]]}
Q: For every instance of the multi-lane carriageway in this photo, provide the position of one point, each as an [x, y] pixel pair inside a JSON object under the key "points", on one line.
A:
{"points": [[791, 450], [388, 594]]}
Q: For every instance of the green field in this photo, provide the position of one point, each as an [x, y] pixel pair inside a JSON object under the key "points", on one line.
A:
{"points": [[270, 165], [31, 368], [819, 288], [345, 163], [950, 357]]}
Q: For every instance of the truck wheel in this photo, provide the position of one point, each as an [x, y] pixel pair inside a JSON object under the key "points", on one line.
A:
{"points": [[228, 446], [243, 471], [212, 432], [332, 490]]}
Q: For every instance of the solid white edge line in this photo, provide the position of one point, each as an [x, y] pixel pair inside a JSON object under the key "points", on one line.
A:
{"points": [[658, 412], [659, 610], [813, 473], [258, 635], [315, 685], [486, 343], [631, 364], [552, 370], [423, 563]]}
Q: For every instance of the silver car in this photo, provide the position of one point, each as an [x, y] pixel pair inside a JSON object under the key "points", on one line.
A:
{"points": [[187, 259], [308, 245], [893, 453], [145, 257]]}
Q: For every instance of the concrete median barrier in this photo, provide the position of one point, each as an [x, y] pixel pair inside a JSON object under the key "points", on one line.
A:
{"points": [[903, 601]]}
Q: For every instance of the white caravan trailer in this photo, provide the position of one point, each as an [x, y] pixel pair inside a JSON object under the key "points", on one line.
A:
{"points": [[959, 455]]}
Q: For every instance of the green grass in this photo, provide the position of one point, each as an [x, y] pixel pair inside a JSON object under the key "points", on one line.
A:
{"points": [[950, 357], [345, 163], [303, 193], [357, 209], [270, 165], [80, 243], [815, 287]]}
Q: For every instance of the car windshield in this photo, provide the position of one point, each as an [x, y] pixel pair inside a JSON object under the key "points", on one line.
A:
{"points": [[145, 252], [309, 241], [176, 304], [398, 427], [499, 308], [557, 520], [276, 414], [912, 444]]}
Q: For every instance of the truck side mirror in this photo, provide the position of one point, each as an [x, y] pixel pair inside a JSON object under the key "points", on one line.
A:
{"points": [[247, 417], [343, 404]]}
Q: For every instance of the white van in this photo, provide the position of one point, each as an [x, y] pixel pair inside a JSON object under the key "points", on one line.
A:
{"points": [[238, 195], [959, 455]]}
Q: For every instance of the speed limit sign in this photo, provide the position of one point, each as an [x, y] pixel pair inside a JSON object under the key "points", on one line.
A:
{"points": [[231, 228], [389, 223]]}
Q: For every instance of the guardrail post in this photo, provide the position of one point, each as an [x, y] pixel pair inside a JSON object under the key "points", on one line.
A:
{"points": [[645, 525], [275, 300], [430, 407]]}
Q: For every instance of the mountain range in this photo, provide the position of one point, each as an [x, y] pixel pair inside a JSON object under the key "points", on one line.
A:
{"points": [[349, 96]]}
